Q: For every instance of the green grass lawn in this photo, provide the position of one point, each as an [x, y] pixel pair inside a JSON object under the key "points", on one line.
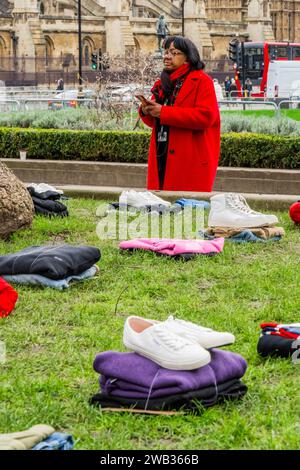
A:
{"points": [[52, 338], [290, 113]]}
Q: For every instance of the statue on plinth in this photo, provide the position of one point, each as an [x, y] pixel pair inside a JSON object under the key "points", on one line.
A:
{"points": [[162, 30]]}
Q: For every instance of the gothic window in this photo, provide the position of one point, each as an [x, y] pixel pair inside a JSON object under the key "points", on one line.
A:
{"points": [[49, 50], [274, 24], [87, 49], [42, 8], [2, 51]]}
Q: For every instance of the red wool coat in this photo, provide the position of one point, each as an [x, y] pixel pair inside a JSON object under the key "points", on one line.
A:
{"points": [[194, 138]]}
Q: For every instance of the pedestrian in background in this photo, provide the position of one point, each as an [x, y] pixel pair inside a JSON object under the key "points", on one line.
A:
{"points": [[227, 83], [60, 84]]}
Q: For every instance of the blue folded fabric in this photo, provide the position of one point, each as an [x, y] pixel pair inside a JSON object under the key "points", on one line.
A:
{"points": [[57, 441], [248, 236], [243, 237], [37, 280], [193, 202]]}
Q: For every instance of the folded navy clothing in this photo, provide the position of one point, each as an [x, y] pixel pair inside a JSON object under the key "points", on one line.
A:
{"points": [[54, 262], [272, 345], [206, 397]]}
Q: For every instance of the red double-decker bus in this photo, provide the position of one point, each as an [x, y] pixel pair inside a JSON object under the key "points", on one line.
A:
{"points": [[257, 56]]}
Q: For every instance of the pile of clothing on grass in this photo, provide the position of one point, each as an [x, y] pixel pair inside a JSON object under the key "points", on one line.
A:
{"points": [[231, 217], [148, 202], [277, 339], [38, 437], [50, 266], [175, 365], [46, 198], [174, 248]]}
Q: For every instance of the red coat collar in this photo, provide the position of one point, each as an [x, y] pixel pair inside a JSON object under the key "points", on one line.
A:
{"points": [[188, 85]]}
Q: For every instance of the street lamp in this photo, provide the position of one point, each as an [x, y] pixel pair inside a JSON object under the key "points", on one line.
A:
{"points": [[80, 49], [182, 16]]}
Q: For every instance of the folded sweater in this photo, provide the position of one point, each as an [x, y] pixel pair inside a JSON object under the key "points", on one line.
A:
{"points": [[54, 262], [132, 375]]}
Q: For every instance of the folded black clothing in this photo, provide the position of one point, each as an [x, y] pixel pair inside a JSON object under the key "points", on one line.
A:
{"points": [[55, 262], [189, 400], [41, 211], [45, 195], [49, 208], [273, 345], [49, 205]]}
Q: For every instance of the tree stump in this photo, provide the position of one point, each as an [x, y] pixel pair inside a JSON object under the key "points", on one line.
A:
{"points": [[16, 206]]}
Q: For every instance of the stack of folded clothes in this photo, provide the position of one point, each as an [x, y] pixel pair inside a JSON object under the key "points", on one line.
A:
{"points": [[38, 437], [171, 368], [242, 235], [232, 218], [50, 266], [45, 199], [175, 248], [8, 298], [278, 339]]}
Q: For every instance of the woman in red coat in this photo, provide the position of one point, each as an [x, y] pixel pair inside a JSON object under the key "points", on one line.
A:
{"points": [[185, 118]]}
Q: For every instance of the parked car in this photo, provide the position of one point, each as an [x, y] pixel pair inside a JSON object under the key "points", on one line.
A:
{"points": [[68, 99]]}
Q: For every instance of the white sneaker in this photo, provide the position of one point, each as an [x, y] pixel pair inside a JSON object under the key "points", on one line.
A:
{"points": [[156, 342], [231, 210], [154, 199], [206, 337], [133, 198]]}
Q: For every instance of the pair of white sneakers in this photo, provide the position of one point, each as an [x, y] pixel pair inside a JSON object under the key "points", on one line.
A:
{"points": [[140, 199], [173, 344]]}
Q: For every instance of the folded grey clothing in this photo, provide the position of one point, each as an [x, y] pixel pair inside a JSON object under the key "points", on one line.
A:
{"points": [[206, 397], [54, 262], [49, 205]]}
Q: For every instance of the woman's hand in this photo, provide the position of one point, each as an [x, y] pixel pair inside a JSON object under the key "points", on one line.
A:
{"points": [[154, 109]]}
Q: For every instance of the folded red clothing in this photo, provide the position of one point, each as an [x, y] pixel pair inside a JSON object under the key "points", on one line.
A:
{"points": [[8, 298]]}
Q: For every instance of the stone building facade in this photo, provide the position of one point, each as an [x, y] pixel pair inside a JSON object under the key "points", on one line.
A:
{"points": [[43, 34]]}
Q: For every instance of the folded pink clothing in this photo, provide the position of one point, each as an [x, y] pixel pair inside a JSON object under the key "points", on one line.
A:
{"points": [[174, 247]]}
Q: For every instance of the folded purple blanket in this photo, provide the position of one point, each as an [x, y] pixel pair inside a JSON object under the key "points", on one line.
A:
{"points": [[132, 375]]}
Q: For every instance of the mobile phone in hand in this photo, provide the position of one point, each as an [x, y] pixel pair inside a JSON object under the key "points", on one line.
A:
{"points": [[143, 100]]}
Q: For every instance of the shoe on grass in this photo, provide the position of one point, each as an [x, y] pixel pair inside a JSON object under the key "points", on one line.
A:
{"points": [[231, 210]]}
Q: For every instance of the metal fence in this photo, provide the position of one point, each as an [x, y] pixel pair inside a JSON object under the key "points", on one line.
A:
{"points": [[18, 71]]}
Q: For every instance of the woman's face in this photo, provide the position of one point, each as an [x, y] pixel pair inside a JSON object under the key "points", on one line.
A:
{"points": [[173, 58]]}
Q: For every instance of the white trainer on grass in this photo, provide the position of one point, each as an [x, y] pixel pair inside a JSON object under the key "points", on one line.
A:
{"points": [[133, 198], [154, 199], [231, 210], [156, 342], [206, 337]]}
